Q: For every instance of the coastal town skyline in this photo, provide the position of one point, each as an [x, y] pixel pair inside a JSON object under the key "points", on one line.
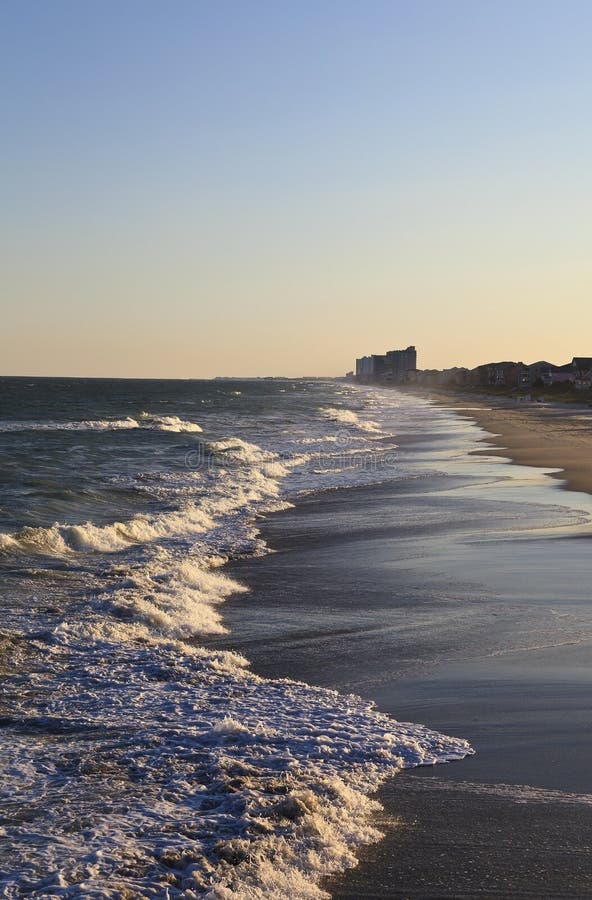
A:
{"points": [[400, 367]]}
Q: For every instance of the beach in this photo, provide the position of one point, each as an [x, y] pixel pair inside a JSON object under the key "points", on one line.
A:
{"points": [[546, 435], [459, 600], [295, 594]]}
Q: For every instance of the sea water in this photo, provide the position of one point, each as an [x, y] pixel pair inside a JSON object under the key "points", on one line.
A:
{"points": [[135, 761]]}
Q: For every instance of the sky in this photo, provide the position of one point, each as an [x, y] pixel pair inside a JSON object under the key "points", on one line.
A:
{"points": [[274, 187]]}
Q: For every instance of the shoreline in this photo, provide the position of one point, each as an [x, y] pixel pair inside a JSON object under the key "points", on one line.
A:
{"points": [[307, 624], [555, 437], [547, 436]]}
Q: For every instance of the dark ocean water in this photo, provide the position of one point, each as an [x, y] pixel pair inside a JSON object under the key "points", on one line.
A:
{"points": [[137, 762]]}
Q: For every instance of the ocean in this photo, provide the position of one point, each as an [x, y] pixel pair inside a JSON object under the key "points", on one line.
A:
{"points": [[232, 610], [138, 759]]}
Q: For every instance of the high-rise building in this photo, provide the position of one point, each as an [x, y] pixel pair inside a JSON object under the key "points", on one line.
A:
{"points": [[399, 363], [393, 366], [370, 368]]}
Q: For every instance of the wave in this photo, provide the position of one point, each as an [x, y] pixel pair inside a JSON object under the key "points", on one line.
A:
{"points": [[168, 423], [164, 581], [170, 597], [236, 477], [350, 418], [190, 519], [237, 449], [145, 420], [61, 539], [86, 425]]}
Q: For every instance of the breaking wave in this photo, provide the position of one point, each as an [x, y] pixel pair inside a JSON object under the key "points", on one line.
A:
{"points": [[350, 418], [145, 420], [168, 423], [61, 539]]}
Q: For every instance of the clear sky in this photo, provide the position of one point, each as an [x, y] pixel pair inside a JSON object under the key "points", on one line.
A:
{"points": [[216, 188]]}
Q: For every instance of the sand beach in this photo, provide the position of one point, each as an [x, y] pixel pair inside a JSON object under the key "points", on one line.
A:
{"points": [[549, 435]]}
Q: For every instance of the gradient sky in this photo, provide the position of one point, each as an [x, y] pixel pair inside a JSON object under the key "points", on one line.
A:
{"points": [[205, 188]]}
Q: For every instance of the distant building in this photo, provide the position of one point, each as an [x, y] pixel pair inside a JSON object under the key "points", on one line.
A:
{"points": [[455, 376], [540, 370], [400, 366], [395, 366], [582, 372], [370, 368], [399, 363], [498, 374], [556, 375]]}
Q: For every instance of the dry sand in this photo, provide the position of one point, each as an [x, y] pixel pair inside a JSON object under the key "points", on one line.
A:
{"points": [[554, 436]]}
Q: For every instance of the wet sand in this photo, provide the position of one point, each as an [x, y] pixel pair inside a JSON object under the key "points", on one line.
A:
{"points": [[379, 591], [536, 434], [449, 842]]}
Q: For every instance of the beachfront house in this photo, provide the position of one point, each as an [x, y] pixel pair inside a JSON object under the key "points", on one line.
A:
{"points": [[582, 372], [539, 371], [557, 375], [498, 374]]}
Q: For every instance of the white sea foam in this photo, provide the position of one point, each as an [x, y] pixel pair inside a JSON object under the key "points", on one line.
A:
{"points": [[88, 537], [145, 420], [221, 784], [350, 418], [325, 439], [174, 597], [168, 423], [242, 451], [85, 425]]}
